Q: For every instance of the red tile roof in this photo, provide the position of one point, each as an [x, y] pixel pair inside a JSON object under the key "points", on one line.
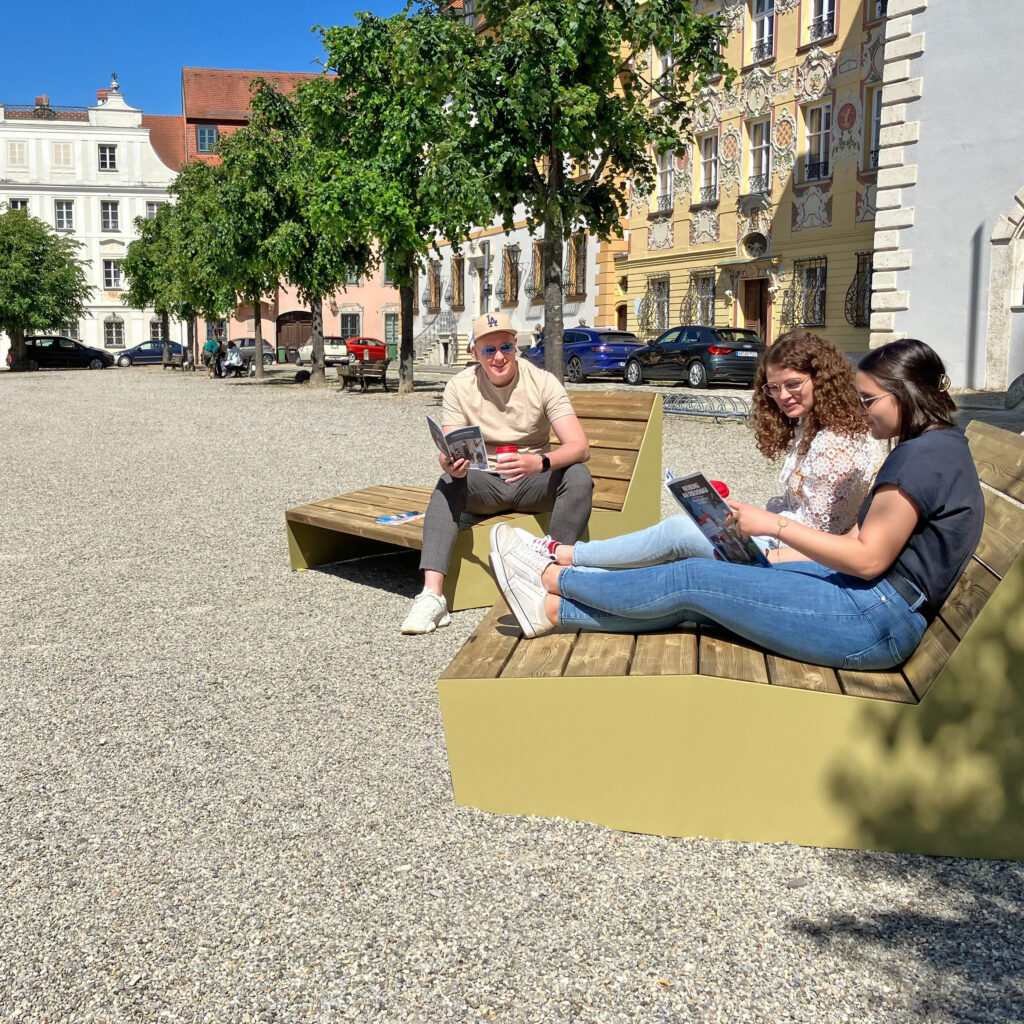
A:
{"points": [[167, 133], [221, 94]]}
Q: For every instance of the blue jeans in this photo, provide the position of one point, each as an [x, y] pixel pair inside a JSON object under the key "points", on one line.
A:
{"points": [[800, 610], [670, 540]]}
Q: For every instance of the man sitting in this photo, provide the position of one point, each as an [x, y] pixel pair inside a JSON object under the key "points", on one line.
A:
{"points": [[514, 404]]}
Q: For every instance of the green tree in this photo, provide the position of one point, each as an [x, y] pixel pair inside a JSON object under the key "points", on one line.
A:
{"points": [[42, 280], [150, 267], [388, 134], [316, 263], [568, 114]]}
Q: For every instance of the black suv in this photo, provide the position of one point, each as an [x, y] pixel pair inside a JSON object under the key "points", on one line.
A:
{"points": [[61, 353], [699, 355]]}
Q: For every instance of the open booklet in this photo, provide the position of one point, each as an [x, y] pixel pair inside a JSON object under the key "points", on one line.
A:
{"points": [[704, 505], [461, 443]]}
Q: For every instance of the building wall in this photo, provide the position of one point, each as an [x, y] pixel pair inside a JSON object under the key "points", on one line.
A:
{"points": [[950, 231], [807, 213], [449, 323], [140, 177]]}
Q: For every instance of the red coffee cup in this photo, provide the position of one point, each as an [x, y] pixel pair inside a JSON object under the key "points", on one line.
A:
{"points": [[722, 489], [506, 449]]}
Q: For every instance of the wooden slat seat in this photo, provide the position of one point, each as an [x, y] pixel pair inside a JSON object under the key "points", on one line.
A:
{"points": [[624, 431], [698, 732]]}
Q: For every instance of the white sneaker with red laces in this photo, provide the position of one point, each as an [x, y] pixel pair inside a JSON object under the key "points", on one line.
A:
{"points": [[517, 568]]}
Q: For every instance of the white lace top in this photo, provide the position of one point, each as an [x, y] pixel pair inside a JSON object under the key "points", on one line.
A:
{"points": [[826, 488]]}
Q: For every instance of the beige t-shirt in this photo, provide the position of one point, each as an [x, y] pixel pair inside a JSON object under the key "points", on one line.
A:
{"points": [[520, 413]]}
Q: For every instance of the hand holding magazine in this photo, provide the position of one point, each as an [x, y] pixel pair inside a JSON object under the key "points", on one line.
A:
{"points": [[704, 505], [461, 443]]}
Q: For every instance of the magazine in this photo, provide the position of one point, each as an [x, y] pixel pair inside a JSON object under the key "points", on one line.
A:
{"points": [[461, 443], [704, 505], [401, 517]]}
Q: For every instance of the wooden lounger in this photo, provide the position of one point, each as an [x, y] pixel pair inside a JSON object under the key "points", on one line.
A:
{"points": [[696, 732], [624, 430]]}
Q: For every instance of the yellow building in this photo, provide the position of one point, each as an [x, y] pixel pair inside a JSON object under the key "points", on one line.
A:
{"points": [[765, 219]]}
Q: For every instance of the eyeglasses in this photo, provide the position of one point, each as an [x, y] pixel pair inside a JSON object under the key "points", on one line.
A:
{"points": [[789, 386], [506, 349], [865, 403]]}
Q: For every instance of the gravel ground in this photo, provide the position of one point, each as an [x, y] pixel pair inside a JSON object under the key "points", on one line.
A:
{"points": [[224, 787]]}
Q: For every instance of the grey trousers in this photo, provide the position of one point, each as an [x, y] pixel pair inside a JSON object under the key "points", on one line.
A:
{"points": [[566, 493]]}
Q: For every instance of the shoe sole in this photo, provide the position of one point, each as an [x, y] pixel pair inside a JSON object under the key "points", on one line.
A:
{"points": [[446, 621], [510, 599]]}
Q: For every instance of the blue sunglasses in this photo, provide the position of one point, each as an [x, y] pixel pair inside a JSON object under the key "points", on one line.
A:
{"points": [[506, 349]]}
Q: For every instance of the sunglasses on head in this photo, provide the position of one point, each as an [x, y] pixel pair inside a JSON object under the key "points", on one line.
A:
{"points": [[507, 348]]}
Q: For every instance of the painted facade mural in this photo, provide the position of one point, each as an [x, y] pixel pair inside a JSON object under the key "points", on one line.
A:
{"points": [[812, 208], [814, 76], [847, 131], [707, 112], [758, 89], [704, 227], [660, 234], [783, 145], [684, 175], [866, 203], [872, 57], [730, 147]]}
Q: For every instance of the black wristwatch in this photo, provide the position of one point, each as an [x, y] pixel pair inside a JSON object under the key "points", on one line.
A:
{"points": [[545, 464]]}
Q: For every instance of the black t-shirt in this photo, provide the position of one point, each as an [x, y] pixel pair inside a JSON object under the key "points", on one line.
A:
{"points": [[936, 472]]}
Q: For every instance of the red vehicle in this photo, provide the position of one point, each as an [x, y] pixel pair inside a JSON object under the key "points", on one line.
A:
{"points": [[366, 348]]}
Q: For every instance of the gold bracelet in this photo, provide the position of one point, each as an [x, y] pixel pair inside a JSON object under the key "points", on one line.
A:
{"points": [[780, 526]]}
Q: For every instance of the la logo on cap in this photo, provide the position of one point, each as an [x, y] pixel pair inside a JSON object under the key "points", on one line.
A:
{"points": [[491, 322]]}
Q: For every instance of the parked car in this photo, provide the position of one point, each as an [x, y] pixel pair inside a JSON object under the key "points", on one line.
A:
{"points": [[148, 352], [591, 352], [56, 353], [367, 348], [335, 351], [247, 348], [698, 355]]}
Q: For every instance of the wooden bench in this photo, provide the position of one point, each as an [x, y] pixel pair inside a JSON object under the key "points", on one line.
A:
{"points": [[175, 362], [624, 429], [363, 371], [697, 732]]}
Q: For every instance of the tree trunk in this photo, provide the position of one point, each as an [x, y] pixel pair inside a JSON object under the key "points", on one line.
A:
{"points": [[405, 352], [257, 358], [317, 308], [165, 334], [552, 248], [18, 360], [193, 354]]}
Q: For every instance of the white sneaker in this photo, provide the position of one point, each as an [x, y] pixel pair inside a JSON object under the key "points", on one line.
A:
{"points": [[542, 545], [517, 568], [427, 613]]}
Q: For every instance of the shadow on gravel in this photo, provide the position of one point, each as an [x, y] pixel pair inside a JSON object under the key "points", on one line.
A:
{"points": [[397, 572], [966, 968]]}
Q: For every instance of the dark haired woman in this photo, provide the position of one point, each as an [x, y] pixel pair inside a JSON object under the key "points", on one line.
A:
{"points": [[865, 598], [805, 407]]}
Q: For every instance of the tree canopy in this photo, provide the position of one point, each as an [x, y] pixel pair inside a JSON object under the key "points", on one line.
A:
{"points": [[568, 112], [43, 282]]}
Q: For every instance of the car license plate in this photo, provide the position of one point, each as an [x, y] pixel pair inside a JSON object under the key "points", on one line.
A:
{"points": [[748, 355]]}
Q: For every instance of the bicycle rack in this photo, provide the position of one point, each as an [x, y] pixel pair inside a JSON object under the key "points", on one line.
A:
{"points": [[716, 407]]}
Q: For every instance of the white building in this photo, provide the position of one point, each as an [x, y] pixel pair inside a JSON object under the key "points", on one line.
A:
{"points": [[498, 270], [949, 227], [89, 172]]}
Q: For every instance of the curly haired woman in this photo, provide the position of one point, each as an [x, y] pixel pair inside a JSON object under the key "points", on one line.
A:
{"points": [[805, 408]]}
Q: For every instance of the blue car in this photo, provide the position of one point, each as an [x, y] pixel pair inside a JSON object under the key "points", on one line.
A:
{"points": [[148, 352], [591, 352]]}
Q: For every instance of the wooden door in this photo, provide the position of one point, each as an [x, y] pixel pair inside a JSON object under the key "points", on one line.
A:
{"points": [[755, 306]]}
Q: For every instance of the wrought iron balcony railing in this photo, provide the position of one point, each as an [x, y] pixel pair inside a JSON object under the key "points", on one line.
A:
{"points": [[816, 169], [823, 27], [762, 51], [709, 194], [665, 202], [873, 159], [760, 183]]}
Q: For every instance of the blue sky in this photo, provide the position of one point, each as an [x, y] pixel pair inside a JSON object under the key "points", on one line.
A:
{"points": [[68, 48]]}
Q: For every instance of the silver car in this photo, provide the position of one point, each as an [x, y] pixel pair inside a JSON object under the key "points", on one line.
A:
{"points": [[335, 351], [247, 348]]}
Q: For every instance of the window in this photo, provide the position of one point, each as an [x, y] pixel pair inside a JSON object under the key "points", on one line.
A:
{"points": [[578, 264], [349, 325], [818, 125], [216, 329], [108, 157], [538, 275], [709, 169], [667, 78], [858, 295], [63, 156], [155, 333], [17, 154], [434, 286], [823, 20], [763, 42], [390, 328], [875, 106], [113, 331], [660, 287], [386, 278], [666, 179], [69, 331], [804, 302], [415, 291], [17, 204], [760, 165], [458, 282], [152, 209], [878, 9], [704, 285], [352, 280], [64, 214], [112, 275], [206, 138], [110, 218], [508, 285]]}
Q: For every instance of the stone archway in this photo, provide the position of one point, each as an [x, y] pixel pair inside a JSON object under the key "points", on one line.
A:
{"points": [[294, 328], [1004, 339]]}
